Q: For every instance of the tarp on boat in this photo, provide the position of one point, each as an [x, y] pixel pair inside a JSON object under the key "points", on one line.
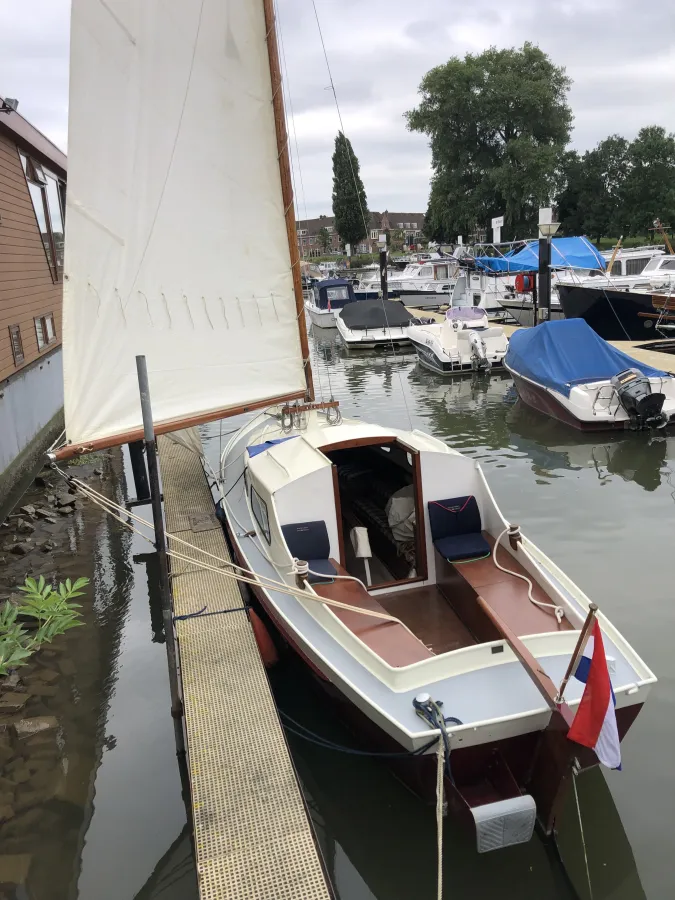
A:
{"points": [[567, 352], [566, 252], [375, 314]]}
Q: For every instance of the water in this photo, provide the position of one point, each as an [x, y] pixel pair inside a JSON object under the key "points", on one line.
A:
{"points": [[600, 506]]}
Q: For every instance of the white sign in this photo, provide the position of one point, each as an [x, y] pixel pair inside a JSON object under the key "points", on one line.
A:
{"points": [[348, 249], [460, 239], [498, 222], [382, 239]]}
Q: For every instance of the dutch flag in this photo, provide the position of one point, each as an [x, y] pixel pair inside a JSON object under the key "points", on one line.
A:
{"points": [[594, 725]]}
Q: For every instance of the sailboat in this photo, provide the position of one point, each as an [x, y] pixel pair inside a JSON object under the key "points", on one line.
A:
{"points": [[379, 553]]}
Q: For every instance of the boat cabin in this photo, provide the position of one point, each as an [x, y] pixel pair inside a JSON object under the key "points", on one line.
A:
{"points": [[333, 293], [634, 261]]}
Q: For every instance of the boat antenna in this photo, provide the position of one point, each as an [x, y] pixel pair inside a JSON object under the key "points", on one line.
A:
{"points": [[358, 196]]}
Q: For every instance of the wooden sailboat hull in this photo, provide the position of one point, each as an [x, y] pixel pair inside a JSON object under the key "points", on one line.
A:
{"points": [[537, 762]]}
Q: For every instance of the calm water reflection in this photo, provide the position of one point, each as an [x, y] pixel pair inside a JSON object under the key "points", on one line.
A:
{"points": [[602, 507]]}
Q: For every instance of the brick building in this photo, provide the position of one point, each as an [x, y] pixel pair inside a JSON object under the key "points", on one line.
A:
{"points": [[409, 225]]}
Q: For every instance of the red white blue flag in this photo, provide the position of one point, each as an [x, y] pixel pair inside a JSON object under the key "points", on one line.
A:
{"points": [[594, 725]]}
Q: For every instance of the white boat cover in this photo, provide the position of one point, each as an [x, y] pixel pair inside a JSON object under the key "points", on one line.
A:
{"points": [[176, 242]]}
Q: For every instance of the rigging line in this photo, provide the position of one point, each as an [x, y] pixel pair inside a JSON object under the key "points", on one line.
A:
{"points": [[363, 216], [173, 148]]}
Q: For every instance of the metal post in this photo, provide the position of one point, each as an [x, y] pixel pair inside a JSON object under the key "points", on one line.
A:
{"points": [[383, 275], [535, 301], [578, 650], [160, 546], [139, 471], [544, 279]]}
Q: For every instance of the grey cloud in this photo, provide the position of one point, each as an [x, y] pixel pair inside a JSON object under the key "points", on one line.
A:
{"points": [[620, 61]]}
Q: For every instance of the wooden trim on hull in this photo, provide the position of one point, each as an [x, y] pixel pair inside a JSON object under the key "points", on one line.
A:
{"points": [[544, 402]]}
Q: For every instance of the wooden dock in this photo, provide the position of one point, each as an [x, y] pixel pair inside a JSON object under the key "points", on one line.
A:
{"points": [[253, 837]]}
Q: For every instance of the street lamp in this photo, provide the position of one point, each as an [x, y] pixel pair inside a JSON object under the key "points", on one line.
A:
{"points": [[548, 225]]}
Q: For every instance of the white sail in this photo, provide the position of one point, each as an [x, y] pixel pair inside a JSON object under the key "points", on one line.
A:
{"points": [[176, 242]]}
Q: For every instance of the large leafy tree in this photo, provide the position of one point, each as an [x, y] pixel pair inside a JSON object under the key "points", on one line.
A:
{"points": [[592, 198], [498, 124], [649, 186], [350, 207]]}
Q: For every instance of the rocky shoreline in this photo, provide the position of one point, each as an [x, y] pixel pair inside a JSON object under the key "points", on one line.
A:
{"points": [[45, 768]]}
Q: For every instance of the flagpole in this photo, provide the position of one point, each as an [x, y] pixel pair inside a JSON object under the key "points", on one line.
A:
{"points": [[584, 635]]}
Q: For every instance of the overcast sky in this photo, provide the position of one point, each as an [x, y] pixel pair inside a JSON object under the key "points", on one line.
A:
{"points": [[620, 55]]}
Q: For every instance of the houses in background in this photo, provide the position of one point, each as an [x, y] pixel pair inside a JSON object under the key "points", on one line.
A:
{"points": [[405, 229], [32, 216]]}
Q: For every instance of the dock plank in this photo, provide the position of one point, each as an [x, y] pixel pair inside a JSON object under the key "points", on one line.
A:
{"points": [[253, 838]]}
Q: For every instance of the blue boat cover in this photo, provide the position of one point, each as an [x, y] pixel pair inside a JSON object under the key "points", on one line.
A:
{"points": [[567, 352], [575, 252], [255, 449]]}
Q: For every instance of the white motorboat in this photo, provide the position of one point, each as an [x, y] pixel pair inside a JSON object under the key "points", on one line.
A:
{"points": [[428, 284], [567, 371], [374, 324], [464, 342], [327, 298]]}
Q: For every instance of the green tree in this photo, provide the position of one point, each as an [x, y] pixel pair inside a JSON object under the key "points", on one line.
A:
{"points": [[350, 207], [324, 239], [498, 123], [648, 191], [592, 200]]}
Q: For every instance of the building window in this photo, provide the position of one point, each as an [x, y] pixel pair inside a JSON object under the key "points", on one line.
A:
{"points": [[374, 234], [259, 510], [414, 224], [329, 229], [17, 344], [48, 196], [45, 332], [302, 231]]}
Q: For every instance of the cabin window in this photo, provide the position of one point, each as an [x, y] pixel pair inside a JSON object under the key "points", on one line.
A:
{"points": [[259, 509], [441, 273], [47, 194], [667, 265], [616, 267], [17, 344], [635, 266], [45, 332], [338, 293], [425, 271]]}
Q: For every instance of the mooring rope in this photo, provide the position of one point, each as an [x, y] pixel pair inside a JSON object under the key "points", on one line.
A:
{"points": [[558, 610]]}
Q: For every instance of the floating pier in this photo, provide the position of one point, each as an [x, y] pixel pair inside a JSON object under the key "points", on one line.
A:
{"points": [[252, 834]]}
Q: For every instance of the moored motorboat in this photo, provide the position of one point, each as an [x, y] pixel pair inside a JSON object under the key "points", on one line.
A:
{"points": [[328, 297], [565, 370], [414, 593], [620, 315], [370, 324], [464, 342]]}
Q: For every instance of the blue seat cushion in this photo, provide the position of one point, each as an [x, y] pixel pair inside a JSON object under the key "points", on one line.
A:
{"points": [[463, 546], [307, 540], [459, 515], [324, 566]]}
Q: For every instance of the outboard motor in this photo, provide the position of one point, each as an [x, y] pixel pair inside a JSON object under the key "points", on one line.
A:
{"points": [[479, 360], [635, 395]]}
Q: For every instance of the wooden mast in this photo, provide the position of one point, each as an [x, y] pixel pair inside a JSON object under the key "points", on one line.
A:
{"points": [[136, 434], [286, 184]]}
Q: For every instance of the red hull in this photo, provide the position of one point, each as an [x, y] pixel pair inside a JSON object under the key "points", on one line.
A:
{"points": [[542, 400]]}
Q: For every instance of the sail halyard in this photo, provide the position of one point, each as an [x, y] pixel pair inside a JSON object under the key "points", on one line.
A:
{"points": [[181, 241]]}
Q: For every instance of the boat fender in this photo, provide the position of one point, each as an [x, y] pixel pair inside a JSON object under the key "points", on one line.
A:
{"points": [[266, 648]]}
